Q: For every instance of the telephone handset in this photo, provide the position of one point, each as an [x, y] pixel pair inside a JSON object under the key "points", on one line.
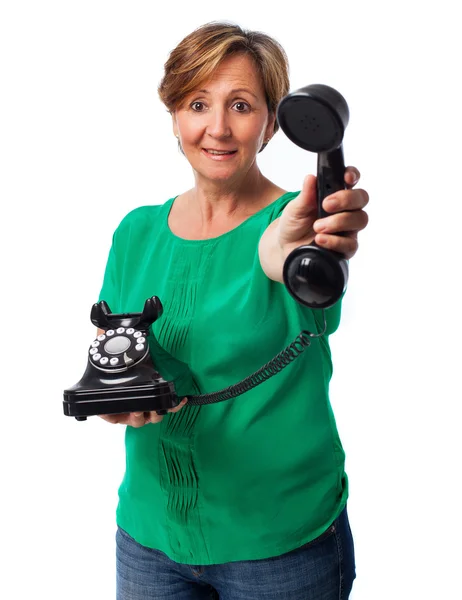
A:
{"points": [[315, 118]]}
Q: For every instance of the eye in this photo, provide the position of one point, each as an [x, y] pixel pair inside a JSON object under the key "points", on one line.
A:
{"points": [[243, 106], [200, 106]]}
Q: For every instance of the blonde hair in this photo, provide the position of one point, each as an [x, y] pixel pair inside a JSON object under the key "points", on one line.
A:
{"points": [[199, 54]]}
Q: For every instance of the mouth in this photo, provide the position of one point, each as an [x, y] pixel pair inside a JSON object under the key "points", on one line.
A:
{"points": [[219, 151], [217, 154]]}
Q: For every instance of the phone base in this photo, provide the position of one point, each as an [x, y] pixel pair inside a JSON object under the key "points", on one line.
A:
{"points": [[158, 396]]}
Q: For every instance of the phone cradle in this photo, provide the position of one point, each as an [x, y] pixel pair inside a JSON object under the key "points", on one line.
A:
{"points": [[120, 376]]}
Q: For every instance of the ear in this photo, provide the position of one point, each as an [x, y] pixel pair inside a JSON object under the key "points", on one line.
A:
{"points": [[174, 124], [269, 131]]}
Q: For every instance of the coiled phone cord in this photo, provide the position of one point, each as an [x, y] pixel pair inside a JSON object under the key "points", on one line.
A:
{"points": [[273, 367]]}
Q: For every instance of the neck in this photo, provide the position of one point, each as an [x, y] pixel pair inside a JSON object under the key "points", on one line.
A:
{"points": [[221, 199]]}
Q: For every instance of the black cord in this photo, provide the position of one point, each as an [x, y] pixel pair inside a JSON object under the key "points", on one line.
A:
{"points": [[273, 367]]}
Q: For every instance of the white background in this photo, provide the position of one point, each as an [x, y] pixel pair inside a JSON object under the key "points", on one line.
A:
{"points": [[84, 139]]}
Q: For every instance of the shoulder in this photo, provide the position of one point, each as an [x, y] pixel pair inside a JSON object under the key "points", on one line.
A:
{"points": [[141, 217]]}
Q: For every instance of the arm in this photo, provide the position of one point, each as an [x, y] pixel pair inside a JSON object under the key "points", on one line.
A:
{"points": [[270, 252]]}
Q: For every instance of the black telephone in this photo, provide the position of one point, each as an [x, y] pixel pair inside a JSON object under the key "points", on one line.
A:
{"points": [[315, 118], [121, 376]]}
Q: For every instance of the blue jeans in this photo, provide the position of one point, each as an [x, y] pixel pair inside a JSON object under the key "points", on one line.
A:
{"points": [[323, 569]]}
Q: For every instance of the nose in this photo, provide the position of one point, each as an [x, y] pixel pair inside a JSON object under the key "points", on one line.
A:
{"points": [[218, 125]]}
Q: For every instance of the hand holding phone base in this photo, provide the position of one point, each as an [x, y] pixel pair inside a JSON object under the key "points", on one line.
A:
{"points": [[120, 376]]}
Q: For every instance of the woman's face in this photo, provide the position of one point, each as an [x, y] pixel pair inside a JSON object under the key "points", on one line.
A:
{"points": [[228, 113]]}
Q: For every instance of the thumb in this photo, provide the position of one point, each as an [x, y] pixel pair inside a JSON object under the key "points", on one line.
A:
{"points": [[298, 216], [305, 204]]}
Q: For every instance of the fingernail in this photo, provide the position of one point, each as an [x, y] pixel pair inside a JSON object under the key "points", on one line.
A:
{"points": [[319, 226]]}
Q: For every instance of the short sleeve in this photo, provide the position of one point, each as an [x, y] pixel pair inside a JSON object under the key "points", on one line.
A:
{"points": [[110, 290]]}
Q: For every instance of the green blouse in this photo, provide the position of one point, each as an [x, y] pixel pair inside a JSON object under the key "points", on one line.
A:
{"points": [[251, 477]]}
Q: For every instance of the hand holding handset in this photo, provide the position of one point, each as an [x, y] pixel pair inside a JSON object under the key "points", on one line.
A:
{"points": [[315, 118], [120, 375]]}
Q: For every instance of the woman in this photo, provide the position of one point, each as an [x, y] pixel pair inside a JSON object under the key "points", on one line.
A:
{"points": [[244, 498]]}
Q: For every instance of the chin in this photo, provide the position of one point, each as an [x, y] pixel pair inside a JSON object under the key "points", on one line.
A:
{"points": [[216, 174]]}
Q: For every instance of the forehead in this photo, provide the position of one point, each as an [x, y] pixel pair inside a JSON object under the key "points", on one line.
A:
{"points": [[236, 72]]}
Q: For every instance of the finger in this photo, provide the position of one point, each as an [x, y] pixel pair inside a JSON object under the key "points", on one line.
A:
{"points": [[179, 407], [345, 221], [152, 417], [136, 419], [110, 418], [351, 176], [345, 200], [346, 245]]}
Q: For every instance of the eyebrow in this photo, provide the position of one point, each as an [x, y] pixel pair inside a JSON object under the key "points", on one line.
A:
{"points": [[232, 92]]}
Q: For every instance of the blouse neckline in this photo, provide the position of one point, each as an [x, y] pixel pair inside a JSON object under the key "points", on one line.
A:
{"points": [[169, 205]]}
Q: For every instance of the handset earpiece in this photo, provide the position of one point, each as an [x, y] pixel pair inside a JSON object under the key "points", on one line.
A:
{"points": [[315, 118]]}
